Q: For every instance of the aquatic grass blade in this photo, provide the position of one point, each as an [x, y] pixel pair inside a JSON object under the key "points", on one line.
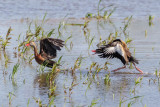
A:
{"points": [[91, 42], [15, 69], [50, 33], [68, 39], [59, 60]]}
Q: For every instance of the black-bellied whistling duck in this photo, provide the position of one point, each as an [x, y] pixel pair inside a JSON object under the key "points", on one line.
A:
{"points": [[117, 49], [48, 50]]}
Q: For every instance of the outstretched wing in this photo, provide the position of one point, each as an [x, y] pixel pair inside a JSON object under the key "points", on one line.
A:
{"points": [[106, 52], [111, 51], [49, 47]]}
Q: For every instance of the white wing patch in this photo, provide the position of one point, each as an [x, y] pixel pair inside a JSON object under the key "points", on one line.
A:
{"points": [[120, 50], [110, 50]]}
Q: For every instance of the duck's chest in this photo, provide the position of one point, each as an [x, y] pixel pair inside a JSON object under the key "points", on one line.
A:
{"points": [[39, 59]]}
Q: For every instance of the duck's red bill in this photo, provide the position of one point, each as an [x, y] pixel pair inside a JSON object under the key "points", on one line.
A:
{"points": [[28, 44], [93, 50]]}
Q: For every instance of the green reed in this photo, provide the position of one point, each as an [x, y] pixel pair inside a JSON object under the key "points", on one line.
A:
{"points": [[157, 73], [5, 41], [131, 101], [98, 15], [28, 102], [138, 80], [10, 96], [39, 102], [127, 22], [77, 64], [94, 102], [107, 80], [151, 20], [15, 69], [91, 42]]}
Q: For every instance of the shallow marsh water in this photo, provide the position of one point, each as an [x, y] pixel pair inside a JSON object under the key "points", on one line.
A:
{"points": [[29, 83]]}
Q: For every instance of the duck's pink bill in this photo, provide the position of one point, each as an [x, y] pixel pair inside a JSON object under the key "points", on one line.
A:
{"points": [[28, 44], [93, 50]]}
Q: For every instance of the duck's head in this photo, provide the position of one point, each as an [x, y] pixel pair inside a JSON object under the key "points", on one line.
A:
{"points": [[32, 44]]}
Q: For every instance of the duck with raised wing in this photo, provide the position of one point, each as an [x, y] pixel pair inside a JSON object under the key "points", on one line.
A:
{"points": [[117, 49], [48, 50]]}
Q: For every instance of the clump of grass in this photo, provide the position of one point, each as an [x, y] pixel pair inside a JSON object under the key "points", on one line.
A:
{"points": [[137, 83], [138, 80], [128, 40], [97, 68], [112, 37], [101, 43], [77, 64], [36, 34], [108, 40], [92, 65], [106, 13], [6, 57], [5, 41], [107, 80], [105, 67], [52, 90], [51, 77]]}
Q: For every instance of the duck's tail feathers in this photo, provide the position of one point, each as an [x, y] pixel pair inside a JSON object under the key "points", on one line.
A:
{"points": [[132, 59]]}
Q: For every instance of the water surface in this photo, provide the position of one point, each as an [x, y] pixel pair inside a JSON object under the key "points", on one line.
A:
{"points": [[30, 83]]}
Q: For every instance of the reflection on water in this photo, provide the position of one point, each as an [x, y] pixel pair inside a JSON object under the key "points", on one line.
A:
{"points": [[42, 82]]}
